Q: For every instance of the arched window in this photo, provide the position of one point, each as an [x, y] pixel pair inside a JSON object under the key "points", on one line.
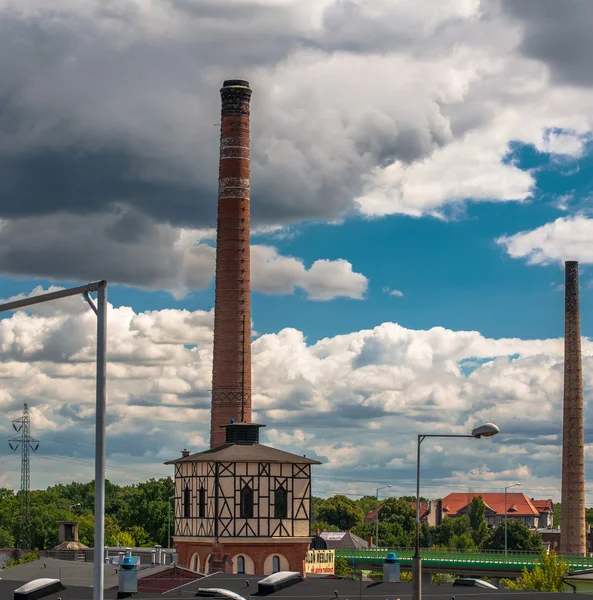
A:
{"points": [[275, 564], [202, 503], [187, 502], [280, 503], [240, 564], [246, 508]]}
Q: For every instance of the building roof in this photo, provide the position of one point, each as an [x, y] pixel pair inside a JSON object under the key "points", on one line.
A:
{"points": [[7, 588], [543, 506], [71, 573], [323, 587], [229, 453], [517, 504], [311, 588], [71, 545], [335, 540]]}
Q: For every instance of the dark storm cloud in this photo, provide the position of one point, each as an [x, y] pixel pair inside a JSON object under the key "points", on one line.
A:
{"points": [[86, 182], [69, 246], [558, 33], [90, 116]]}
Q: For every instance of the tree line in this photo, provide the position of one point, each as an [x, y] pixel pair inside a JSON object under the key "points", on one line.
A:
{"points": [[397, 525], [135, 515]]}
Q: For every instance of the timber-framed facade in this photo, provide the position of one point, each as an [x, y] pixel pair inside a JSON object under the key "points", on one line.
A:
{"points": [[242, 507], [247, 499]]}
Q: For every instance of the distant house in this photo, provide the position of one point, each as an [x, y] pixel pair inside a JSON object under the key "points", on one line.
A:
{"points": [[338, 540], [518, 507], [429, 512], [546, 513]]}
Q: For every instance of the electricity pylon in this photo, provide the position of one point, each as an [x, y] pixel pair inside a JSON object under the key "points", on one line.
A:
{"points": [[26, 444]]}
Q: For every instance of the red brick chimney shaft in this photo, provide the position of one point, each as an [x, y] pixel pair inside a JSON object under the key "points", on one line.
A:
{"points": [[231, 373], [572, 526]]}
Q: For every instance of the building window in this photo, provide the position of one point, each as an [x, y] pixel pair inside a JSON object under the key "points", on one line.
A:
{"points": [[280, 503], [202, 503], [187, 502], [275, 564], [246, 508], [240, 564]]}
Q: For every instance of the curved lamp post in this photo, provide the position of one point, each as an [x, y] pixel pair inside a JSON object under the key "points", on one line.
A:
{"points": [[486, 430], [505, 516]]}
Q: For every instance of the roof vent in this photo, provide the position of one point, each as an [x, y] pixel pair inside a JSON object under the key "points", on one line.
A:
{"points": [[246, 434], [38, 588], [217, 593], [278, 581]]}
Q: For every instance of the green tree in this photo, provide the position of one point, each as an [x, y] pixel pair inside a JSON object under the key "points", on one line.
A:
{"points": [[427, 535], [6, 538], [463, 541], [323, 526], [25, 558], [86, 530], [395, 510], [519, 537], [477, 519], [454, 531], [342, 512], [367, 504], [342, 568], [546, 576], [141, 537], [557, 515]]}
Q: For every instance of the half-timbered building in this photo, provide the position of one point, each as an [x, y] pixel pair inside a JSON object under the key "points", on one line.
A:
{"points": [[242, 507]]}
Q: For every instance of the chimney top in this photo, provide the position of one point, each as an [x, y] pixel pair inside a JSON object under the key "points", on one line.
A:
{"points": [[184, 453], [235, 83]]}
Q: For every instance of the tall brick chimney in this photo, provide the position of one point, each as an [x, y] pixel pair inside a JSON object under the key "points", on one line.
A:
{"points": [[572, 524], [231, 373]]}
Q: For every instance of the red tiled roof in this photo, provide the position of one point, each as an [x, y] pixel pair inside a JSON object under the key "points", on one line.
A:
{"points": [[543, 505], [517, 503]]}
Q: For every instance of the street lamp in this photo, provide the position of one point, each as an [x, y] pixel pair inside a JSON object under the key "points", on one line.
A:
{"points": [[73, 506], [169, 519], [486, 430], [505, 516], [377, 518]]}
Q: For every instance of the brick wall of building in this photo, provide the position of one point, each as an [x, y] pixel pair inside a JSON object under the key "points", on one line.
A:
{"points": [[294, 552]]}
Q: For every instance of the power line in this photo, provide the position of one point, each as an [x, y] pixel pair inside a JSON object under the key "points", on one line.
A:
{"points": [[113, 467]]}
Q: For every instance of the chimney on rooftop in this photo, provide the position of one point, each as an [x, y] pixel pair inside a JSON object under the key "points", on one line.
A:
{"points": [[231, 369], [572, 523], [184, 453]]}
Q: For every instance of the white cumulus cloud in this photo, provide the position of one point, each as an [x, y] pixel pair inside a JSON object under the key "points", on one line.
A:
{"points": [[355, 401], [566, 238]]}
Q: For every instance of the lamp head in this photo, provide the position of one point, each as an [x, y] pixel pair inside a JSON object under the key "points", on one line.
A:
{"points": [[486, 430]]}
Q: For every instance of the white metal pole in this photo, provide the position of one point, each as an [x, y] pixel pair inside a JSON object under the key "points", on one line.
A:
{"points": [[505, 523], [100, 440], [416, 559], [377, 527]]}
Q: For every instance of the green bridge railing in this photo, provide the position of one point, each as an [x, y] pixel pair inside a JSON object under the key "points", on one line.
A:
{"points": [[445, 557]]}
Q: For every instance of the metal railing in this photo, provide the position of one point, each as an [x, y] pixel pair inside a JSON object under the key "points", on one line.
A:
{"points": [[455, 555]]}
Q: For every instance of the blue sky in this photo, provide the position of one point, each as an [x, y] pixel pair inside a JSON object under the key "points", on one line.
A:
{"points": [[460, 182]]}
